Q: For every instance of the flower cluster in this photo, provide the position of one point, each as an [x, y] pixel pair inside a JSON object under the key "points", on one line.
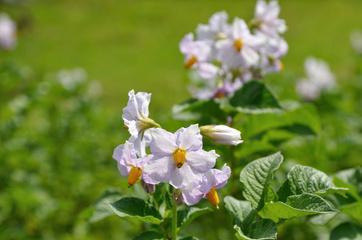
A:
{"points": [[319, 78], [175, 158], [225, 55], [7, 32]]}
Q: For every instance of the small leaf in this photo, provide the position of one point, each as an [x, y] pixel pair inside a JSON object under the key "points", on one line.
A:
{"points": [[256, 178], [346, 231], [238, 209], [187, 215], [296, 206], [254, 96], [136, 208], [149, 235], [102, 209], [304, 179]]}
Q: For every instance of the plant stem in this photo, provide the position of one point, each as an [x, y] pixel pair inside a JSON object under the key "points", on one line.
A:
{"points": [[174, 219]]}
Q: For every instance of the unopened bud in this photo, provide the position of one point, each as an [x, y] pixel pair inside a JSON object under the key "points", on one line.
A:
{"points": [[222, 134]]}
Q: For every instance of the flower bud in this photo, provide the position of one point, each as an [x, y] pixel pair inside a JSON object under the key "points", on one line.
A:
{"points": [[222, 134]]}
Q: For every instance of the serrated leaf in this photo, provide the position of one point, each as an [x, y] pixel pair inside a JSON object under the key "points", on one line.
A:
{"points": [[102, 209], [254, 96], [353, 210], [149, 235], [304, 179], [136, 208], [263, 229], [187, 215], [296, 206], [238, 209], [346, 231], [256, 178]]}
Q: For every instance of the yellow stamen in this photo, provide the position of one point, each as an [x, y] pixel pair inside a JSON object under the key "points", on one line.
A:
{"points": [[191, 61], [134, 175], [238, 44], [179, 156], [213, 197]]}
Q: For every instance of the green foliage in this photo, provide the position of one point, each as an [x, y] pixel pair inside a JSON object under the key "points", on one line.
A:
{"points": [[136, 208], [346, 231], [254, 97], [256, 178]]}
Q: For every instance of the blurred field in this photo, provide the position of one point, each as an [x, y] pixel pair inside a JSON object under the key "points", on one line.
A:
{"points": [[134, 44]]}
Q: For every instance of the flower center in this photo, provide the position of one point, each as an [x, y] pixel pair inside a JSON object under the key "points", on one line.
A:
{"points": [[213, 197], [238, 44], [179, 156], [191, 61], [134, 175]]}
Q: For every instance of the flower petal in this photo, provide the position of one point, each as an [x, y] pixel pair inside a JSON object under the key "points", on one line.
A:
{"points": [[189, 138], [184, 176], [162, 142], [201, 161], [158, 170], [191, 195]]}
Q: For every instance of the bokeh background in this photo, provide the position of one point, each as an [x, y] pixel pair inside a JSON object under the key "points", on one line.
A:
{"points": [[55, 149]]}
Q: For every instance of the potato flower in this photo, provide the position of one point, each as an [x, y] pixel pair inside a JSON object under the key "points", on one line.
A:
{"points": [[178, 158]]}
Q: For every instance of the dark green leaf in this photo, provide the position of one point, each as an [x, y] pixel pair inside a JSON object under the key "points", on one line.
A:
{"points": [[346, 231], [238, 209], [187, 215], [136, 208], [254, 96], [102, 209], [263, 229], [296, 206]]}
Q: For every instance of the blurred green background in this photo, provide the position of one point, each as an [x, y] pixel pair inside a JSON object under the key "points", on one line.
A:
{"points": [[57, 154], [134, 44]]}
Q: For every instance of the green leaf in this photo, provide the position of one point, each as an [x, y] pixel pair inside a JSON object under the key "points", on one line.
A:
{"points": [[304, 179], [254, 97], [187, 215], [300, 119], [296, 206], [203, 111], [102, 209], [263, 229], [256, 178], [346, 231], [352, 179], [238, 209], [136, 208], [149, 235], [353, 210]]}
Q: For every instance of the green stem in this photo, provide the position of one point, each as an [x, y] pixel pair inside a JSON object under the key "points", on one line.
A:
{"points": [[174, 219]]}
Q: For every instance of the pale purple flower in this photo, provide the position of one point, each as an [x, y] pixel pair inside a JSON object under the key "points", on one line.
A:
{"points": [[318, 78], [267, 18], [136, 113], [215, 29], [240, 48], [129, 161], [211, 181], [178, 158], [195, 51], [7, 32]]}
